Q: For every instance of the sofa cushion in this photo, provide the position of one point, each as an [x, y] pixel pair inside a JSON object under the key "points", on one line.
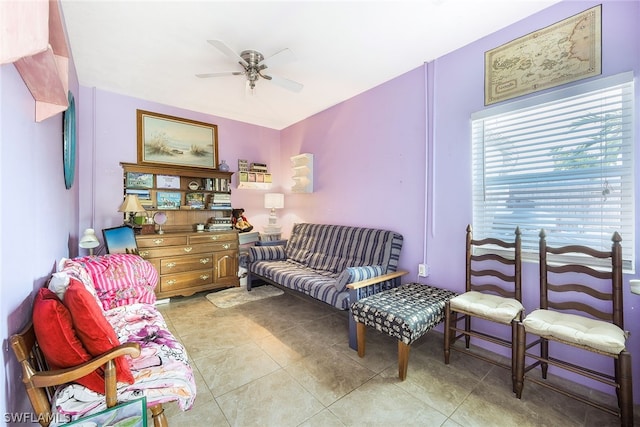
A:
{"points": [[57, 338], [95, 333], [339, 247], [68, 268], [267, 253], [356, 274], [121, 279], [301, 243]]}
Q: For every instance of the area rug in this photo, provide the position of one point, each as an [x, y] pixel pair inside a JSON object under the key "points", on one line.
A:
{"points": [[236, 296]]}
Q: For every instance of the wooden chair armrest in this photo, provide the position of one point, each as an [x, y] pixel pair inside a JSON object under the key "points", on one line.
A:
{"points": [[377, 279], [63, 376]]}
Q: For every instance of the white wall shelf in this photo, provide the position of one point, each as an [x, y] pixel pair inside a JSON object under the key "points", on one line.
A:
{"points": [[254, 185], [302, 166]]}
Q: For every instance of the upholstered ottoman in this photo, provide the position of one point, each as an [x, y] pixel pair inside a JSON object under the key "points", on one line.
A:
{"points": [[405, 313]]}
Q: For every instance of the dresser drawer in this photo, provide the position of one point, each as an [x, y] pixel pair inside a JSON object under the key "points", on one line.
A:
{"points": [[160, 241], [174, 282], [185, 263], [173, 251], [207, 237]]}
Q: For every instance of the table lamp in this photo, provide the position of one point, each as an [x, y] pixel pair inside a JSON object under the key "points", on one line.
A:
{"points": [[132, 205], [89, 240], [273, 201]]}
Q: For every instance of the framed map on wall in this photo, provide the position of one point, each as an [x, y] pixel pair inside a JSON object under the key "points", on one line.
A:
{"points": [[564, 52]]}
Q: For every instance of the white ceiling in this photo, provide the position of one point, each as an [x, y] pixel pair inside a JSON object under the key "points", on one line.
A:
{"points": [[153, 49]]}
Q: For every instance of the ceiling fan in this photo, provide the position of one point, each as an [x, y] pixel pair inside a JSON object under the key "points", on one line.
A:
{"points": [[254, 64]]}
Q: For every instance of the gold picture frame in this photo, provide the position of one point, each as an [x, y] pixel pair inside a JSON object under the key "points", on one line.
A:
{"points": [[169, 140], [564, 52]]}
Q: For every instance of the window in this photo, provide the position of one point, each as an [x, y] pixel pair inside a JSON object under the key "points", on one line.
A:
{"points": [[561, 161]]}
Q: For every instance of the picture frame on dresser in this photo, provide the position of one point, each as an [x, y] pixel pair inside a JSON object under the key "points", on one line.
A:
{"points": [[170, 140], [120, 240]]}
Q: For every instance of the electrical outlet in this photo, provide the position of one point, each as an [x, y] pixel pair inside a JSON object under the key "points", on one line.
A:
{"points": [[423, 270]]}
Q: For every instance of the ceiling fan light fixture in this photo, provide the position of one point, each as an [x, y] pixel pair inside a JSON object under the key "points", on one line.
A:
{"points": [[253, 63]]}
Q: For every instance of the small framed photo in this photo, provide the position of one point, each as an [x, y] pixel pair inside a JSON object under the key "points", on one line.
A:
{"points": [[195, 200], [168, 199], [168, 181], [120, 240], [139, 180]]}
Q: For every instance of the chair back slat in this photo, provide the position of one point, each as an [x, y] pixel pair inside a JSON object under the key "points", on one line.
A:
{"points": [[578, 306], [492, 257], [493, 273], [479, 266], [599, 295], [575, 287], [582, 269]]}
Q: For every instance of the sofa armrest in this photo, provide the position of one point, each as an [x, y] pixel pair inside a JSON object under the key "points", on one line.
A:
{"points": [[63, 376], [37, 380], [267, 253], [377, 279]]}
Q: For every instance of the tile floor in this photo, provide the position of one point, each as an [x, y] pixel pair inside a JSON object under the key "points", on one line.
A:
{"points": [[285, 361]]}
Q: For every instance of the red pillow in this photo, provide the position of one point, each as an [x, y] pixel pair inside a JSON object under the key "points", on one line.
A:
{"points": [[93, 329], [57, 338]]}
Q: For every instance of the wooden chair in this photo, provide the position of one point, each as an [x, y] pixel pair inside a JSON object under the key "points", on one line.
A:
{"points": [[580, 306], [41, 382], [491, 294]]}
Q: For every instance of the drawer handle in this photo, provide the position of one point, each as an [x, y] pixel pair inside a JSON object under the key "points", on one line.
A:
{"points": [[171, 264], [226, 245], [214, 237], [188, 249], [204, 277], [171, 282], [205, 260], [158, 241], [143, 253]]}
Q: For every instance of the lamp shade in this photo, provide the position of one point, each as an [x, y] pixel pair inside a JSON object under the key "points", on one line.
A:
{"points": [[89, 239], [274, 200], [131, 204]]}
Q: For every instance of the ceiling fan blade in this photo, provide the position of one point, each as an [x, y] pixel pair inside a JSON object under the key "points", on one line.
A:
{"points": [[220, 74], [285, 83], [278, 58], [228, 51]]}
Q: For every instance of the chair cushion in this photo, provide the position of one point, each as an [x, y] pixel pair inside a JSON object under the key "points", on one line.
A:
{"points": [[580, 330], [489, 306], [58, 340], [95, 333]]}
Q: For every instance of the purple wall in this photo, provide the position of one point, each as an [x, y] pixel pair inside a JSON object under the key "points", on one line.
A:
{"points": [[370, 155], [38, 219]]}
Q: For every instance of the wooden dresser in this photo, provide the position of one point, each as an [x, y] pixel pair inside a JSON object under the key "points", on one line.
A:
{"points": [[190, 262]]}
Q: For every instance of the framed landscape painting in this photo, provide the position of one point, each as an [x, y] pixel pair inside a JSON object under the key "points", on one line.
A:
{"points": [[130, 414], [169, 140]]}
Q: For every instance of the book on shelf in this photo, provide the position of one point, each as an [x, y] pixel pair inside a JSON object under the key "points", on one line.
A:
{"points": [[222, 198]]}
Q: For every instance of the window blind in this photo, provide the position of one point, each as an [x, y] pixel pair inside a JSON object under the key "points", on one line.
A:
{"points": [[562, 163]]}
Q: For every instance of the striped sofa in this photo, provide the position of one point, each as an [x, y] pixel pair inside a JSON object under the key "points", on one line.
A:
{"points": [[335, 264]]}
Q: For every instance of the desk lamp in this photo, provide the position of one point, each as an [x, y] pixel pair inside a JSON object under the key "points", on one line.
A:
{"points": [[132, 205], [89, 240], [273, 201]]}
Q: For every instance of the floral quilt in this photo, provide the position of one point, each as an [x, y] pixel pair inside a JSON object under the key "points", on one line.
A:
{"points": [[162, 372]]}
